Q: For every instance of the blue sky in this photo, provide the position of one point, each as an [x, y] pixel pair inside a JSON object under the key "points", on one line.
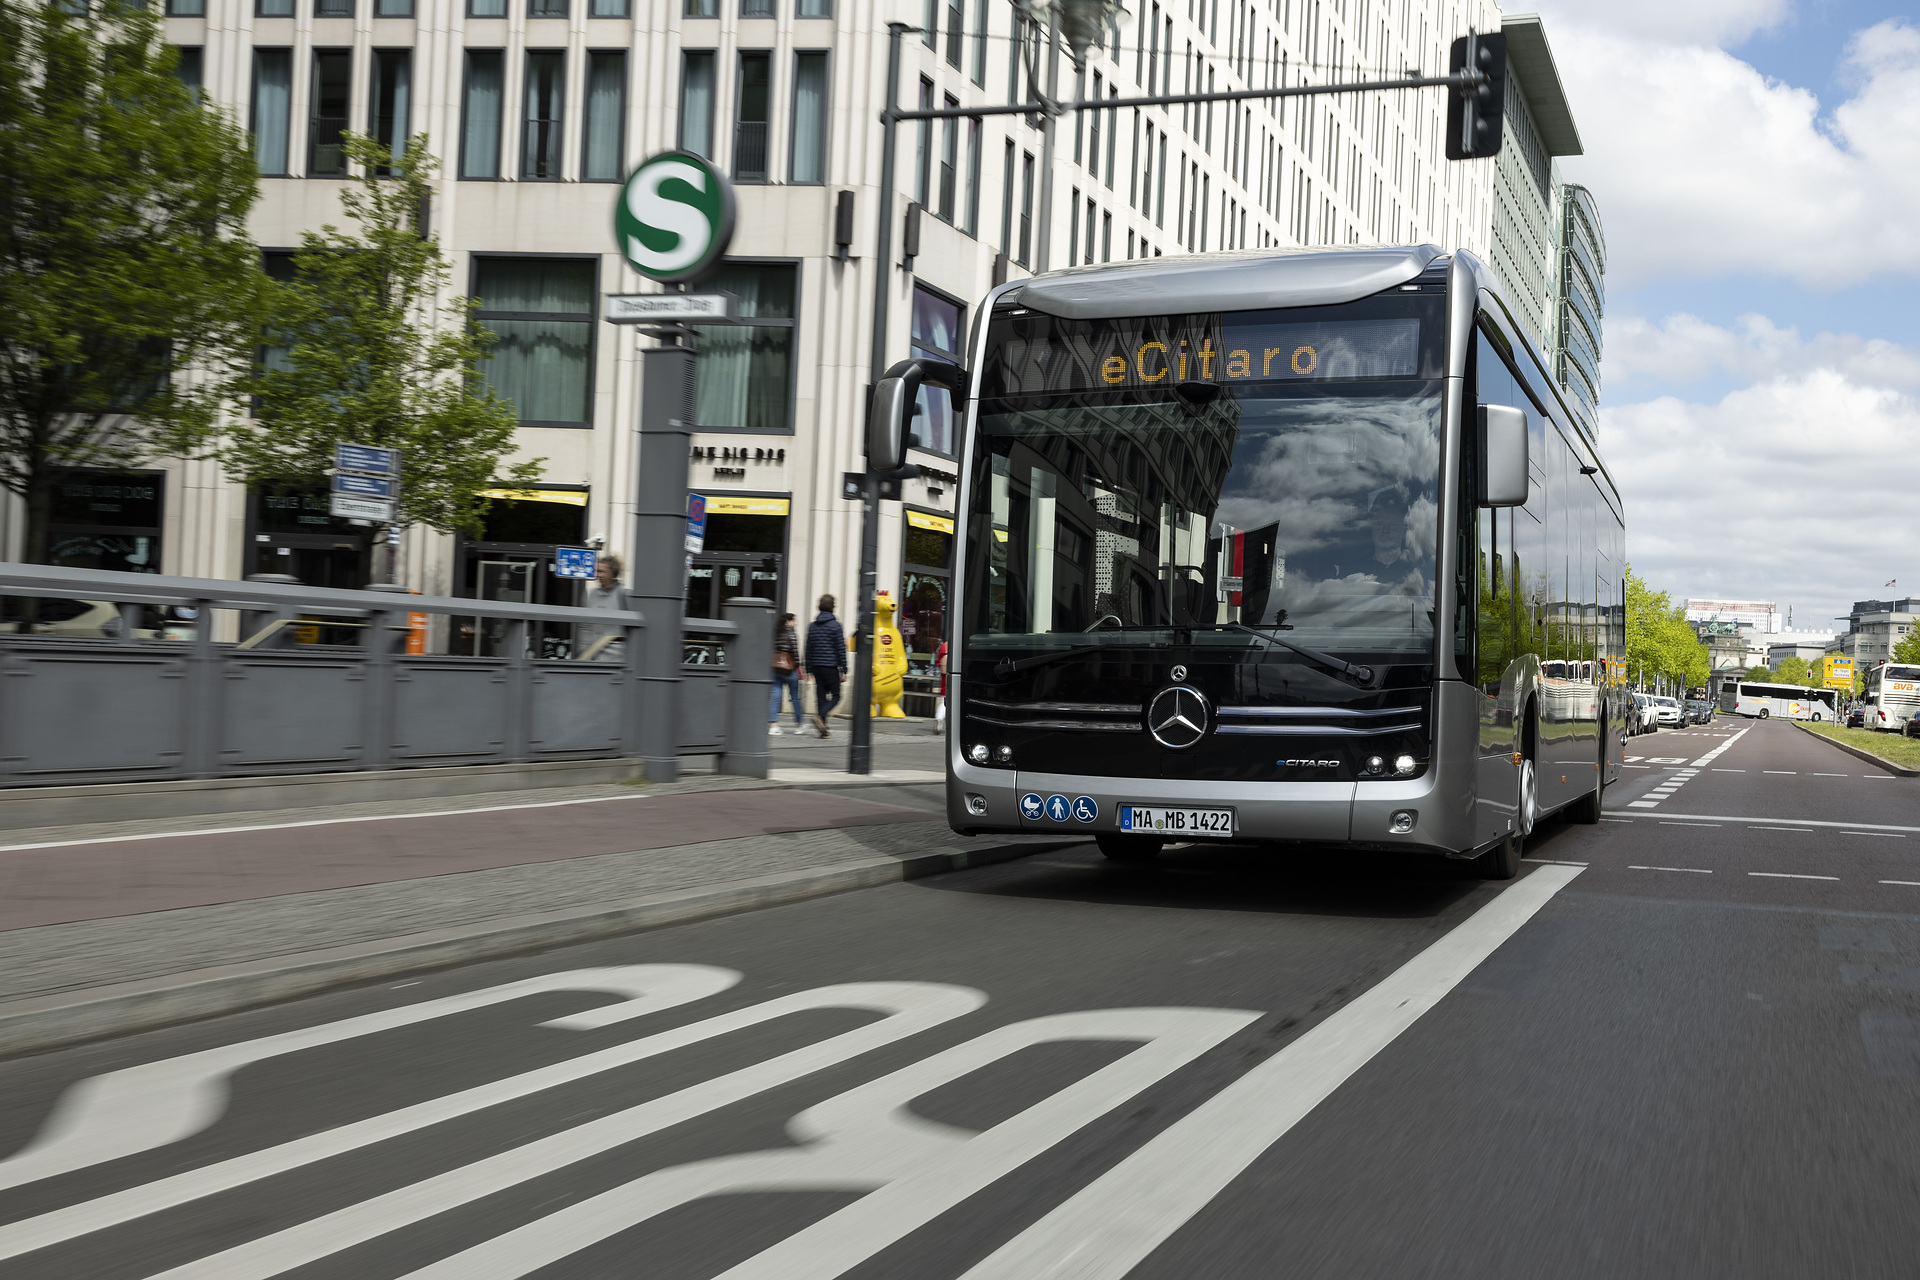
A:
{"points": [[1757, 168]]}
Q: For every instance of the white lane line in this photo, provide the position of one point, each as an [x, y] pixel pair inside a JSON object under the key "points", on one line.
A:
{"points": [[1718, 769], [1786, 773], [1698, 871], [1642, 804], [1832, 775], [1712, 825], [1915, 883], [1110, 1225], [1804, 831], [1789, 875], [1628, 821], [1878, 835], [1805, 822], [316, 822], [1554, 862], [1639, 766]]}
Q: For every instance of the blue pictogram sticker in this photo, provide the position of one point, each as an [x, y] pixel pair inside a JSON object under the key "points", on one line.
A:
{"points": [[1057, 808], [1085, 809], [1030, 806]]}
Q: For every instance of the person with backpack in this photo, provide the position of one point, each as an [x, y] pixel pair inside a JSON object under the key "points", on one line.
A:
{"points": [[826, 660]]}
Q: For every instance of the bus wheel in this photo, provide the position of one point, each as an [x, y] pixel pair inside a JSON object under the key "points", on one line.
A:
{"points": [[1131, 850], [1502, 862], [1765, 712]]}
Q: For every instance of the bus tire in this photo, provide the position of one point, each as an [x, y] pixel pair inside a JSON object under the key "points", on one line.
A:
{"points": [[1130, 850], [1765, 712], [1502, 862]]}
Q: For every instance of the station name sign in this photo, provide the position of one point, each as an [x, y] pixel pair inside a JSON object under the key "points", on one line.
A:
{"points": [[1145, 354]]}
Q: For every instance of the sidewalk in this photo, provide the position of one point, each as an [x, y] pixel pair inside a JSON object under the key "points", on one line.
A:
{"points": [[116, 927]]}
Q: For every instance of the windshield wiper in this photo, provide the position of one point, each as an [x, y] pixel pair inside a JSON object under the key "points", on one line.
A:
{"points": [[1011, 666], [1362, 675]]}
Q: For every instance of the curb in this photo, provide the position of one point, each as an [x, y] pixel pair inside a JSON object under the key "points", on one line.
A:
{"points": [[1898, 770], [54, 1021]]}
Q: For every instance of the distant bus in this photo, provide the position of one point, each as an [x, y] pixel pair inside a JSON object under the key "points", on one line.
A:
{"points": [[1892, 696], [1787, 701]]}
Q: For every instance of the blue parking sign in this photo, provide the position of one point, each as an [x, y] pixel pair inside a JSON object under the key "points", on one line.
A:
{"points": [[575, 562]]}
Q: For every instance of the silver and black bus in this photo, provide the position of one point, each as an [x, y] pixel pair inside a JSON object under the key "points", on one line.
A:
{"points": [[1280, 547]]}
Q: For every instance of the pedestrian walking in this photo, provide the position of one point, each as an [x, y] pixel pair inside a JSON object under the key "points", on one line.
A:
{"points": [[826, 660], [940, 703], [786, 674], [605, 593]]}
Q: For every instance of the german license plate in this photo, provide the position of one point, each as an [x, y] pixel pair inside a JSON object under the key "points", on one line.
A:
{"points": [[1217, 823]]}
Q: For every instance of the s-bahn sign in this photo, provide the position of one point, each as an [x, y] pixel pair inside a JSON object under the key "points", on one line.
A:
{"points": [[675, 217]]}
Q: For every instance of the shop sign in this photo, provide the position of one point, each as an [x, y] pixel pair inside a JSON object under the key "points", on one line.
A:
{"points": [[575, 562], [674, 218]]}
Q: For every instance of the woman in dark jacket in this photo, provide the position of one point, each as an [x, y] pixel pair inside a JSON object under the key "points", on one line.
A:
{"points": [[826, 660]]}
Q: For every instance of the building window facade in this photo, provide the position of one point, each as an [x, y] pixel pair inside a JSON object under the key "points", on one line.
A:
{"points": [[327, 117], [754, 98], [481, 115], [387, 113], [541, 312], [542, 124], [807, 162], [745, 372], [272, 109], [696, 102], [603, 132]]}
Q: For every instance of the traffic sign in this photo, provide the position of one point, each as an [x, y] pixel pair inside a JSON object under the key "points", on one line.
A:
{"points": [[696, 522], [347, 507], [366, 486], [679, 308], [674, 218], [367, 458], [574, 562]]}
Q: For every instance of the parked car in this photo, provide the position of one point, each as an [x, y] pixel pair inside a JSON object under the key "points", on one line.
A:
{"points": [[1913, 726], [1856, 717], [1667, 711], [1649, 719], [1699, 711]]}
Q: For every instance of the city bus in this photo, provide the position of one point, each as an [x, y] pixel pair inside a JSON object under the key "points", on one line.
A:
{"points": [[1281, 547], [1758, 701], [1892, 695]]}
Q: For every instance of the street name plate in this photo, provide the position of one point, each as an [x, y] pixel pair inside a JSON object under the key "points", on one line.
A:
{"points": [[347, 507], [660, 308]]}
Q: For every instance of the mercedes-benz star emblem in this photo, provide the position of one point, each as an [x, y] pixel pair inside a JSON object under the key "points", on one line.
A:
{"points": [[1177, 717], [1179, 674]]}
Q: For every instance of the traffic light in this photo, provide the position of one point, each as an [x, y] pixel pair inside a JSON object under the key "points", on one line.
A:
{"points": [[1475, 116]]}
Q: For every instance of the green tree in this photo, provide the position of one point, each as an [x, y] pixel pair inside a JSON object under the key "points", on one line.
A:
{"points": [[374, 356], [129, 291], [1660, 641], [1794, 671], [1908, 650]]}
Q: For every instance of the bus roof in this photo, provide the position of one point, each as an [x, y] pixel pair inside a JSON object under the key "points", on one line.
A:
{"points": [[1242, 280]]}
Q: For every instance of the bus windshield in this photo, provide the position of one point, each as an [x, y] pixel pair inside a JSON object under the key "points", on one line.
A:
{"points": [[1304, 504]]}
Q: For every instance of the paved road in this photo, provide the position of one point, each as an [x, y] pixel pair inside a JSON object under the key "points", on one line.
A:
{"points": [[1685, 1043]]}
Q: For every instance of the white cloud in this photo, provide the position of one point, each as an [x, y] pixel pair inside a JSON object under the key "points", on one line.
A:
{"points": [[1705, 167], [1798, 489], [1684, 348], [1691, 21]]}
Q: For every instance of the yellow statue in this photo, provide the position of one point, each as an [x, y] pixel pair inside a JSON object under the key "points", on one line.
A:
{"points": [[889, 658]]}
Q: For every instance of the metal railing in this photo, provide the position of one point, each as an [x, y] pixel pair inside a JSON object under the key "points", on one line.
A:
{"points": [[108, 676]]}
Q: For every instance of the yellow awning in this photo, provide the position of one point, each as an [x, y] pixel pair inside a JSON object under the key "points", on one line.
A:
{"points": [[921, 520], [571, 497], [730, 505]]}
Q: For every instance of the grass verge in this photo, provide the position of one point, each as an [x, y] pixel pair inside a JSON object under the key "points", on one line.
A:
{"points": [[1890, 747]]}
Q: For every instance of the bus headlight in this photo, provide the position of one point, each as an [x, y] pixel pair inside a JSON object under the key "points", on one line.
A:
{"points": [[1401, 823], [1004, 755], [1374, 766], [1404, 766], [977, 806], [977, 753]]}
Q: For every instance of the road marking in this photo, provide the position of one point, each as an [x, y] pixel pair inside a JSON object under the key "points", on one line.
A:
{"points": [[1915, 883], [869, 1140], [1554, 862], [1789, 875], [1805, 822], [1642, 804], [121, 1113], [910, 1008], [1665, 822], [1783, 772], [1832, 775], [1720, 750], [1639, 766], [315, 822], [1109, 1226], [1698, 871], [1718, 769], [1880, 835], [1628, 821], [1805, 831]]}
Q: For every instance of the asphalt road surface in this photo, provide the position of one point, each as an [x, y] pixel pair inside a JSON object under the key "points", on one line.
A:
{"points": [[1686, 1042]]}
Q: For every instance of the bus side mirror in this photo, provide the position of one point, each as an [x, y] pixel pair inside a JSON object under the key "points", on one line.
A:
{"points": [[1503, 456], [894, 399]]}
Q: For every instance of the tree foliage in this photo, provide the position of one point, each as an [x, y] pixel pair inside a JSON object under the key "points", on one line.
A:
{"points": [[1908, 650], [1794, 670], [129, 290], [366, 363], [1659, 640]]}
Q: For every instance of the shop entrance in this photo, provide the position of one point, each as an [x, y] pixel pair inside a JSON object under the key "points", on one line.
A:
{"points": [[744, 555], [293, 533], [514, 562]]}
